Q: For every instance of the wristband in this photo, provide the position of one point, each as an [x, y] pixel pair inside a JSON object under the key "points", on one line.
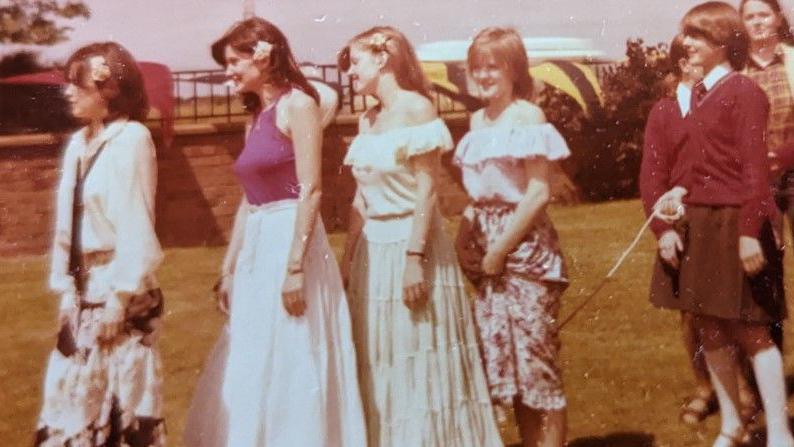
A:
{"points": [[414, 253]]}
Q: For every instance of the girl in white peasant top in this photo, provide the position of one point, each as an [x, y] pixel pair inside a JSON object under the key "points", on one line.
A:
{"points": [[104, 379], [507, 244], [420, 371]]}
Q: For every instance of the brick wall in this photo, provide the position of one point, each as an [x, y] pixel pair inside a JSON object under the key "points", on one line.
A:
{"points": [[28, 177], [197, 192]]}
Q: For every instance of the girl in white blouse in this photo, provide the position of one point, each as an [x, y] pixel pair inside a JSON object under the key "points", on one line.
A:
{"points": [[420, 371], [103, 381], [520, 272]]}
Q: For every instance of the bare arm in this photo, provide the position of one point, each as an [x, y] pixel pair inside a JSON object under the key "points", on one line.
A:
{"points": [[306, 131], [531, 205], [426, 168], [236, 239], [354, 227], [415, 289]]}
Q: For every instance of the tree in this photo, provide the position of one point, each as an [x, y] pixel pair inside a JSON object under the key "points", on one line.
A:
{"points": [[20, 63], [607, 147], [38, 22]]}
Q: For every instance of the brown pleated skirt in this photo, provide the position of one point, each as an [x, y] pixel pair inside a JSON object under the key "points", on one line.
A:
{"points": [[711, 280]]}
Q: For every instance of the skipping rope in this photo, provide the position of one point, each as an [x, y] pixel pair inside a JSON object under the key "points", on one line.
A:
{"points": [[656, 214]]}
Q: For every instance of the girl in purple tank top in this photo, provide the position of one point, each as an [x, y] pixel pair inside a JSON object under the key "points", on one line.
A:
{"points": [[266, 167], [284, 373]]}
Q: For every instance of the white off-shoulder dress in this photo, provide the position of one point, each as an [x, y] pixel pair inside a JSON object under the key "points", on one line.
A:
{"points": [[420, 371]]}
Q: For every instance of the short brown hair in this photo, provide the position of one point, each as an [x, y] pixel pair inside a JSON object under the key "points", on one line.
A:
{"points": [[720, 24], [123, 90], [281, 70], [402, 59], [506, 46]]}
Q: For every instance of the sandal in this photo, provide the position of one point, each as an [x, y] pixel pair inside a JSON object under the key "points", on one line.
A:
{"points": [[738, 439], [698, 407], [749, 406]]}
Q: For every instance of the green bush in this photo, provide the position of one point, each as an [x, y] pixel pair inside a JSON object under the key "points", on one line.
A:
{"points": [[607, 146]]}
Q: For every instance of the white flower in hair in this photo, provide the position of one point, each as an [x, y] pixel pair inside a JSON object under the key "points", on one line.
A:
{"points": [[378, 41], [99, 68], [262, 50]]}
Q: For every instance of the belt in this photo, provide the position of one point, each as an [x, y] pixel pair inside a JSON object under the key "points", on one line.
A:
{"points": [[96, 258]]}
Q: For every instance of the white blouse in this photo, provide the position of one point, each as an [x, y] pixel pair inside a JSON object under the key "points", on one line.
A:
{"points": [[380, 164], [118, 214], [492, 159]]}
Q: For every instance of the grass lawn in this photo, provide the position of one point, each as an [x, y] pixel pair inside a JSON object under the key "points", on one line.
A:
{"points": [[625, 368]]}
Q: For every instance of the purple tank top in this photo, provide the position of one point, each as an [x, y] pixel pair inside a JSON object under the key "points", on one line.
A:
{"points": [[266, 166]]}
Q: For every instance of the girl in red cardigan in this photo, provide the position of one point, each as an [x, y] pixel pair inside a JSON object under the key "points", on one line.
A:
{"points": [[730, 263], [665, 135]]}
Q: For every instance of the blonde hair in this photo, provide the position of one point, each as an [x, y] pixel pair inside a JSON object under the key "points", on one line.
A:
{"points": [[402, 60], [506, 46]]}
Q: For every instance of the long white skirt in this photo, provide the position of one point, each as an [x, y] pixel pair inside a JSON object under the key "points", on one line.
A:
{"points": [[421, 375], [288, 381]]}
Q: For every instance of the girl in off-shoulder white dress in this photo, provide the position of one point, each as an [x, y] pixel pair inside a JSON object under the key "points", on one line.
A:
{"points": [[419, 366]]}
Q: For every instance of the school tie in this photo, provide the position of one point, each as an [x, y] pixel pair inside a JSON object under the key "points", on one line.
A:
{"points": [[698, 93]]}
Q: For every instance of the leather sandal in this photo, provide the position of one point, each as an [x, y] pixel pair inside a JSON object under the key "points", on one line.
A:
{"points": [[698, 407], [739, 439]]}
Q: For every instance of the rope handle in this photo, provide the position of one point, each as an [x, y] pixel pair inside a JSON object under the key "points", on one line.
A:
{"points": [[656, 214]]}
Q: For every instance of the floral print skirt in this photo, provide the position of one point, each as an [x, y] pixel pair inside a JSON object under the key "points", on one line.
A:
{"points": [[105, 394], [516, 312]]}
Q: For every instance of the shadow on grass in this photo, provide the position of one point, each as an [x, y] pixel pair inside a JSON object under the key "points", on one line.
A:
{"points": [[623, 439]]}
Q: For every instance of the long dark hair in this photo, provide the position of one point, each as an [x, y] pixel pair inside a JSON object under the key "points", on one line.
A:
{"points": [[402, 60], [784, 32], [281, 70], [123, 89]]}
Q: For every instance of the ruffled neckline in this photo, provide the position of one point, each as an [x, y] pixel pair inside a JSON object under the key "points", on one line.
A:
{"points": [[395, 146], [511, 142]]}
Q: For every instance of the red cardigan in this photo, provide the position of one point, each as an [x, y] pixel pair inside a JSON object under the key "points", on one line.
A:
{"points": [[726, 152], [662, 164]]}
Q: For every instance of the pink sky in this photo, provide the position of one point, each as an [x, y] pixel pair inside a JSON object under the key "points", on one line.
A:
{"points": [[179, 32]]}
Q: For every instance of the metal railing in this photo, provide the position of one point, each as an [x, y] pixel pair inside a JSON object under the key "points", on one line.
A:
{"points": [[201, 95]]}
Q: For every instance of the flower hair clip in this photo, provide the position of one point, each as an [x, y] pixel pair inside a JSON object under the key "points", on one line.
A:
{"points": [[378, 42], [262, 50], [100, 71]]}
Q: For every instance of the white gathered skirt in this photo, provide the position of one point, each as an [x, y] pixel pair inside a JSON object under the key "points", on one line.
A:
{"points": [[287, 381], [421, 374]]}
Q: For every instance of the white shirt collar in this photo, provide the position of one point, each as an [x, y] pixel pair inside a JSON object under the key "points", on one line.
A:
{"points": [[111, 130], [683, 97], [716, 73]]}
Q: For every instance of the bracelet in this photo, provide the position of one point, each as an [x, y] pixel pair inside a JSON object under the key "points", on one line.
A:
{"points": [[415, 253], [293, 269]]}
